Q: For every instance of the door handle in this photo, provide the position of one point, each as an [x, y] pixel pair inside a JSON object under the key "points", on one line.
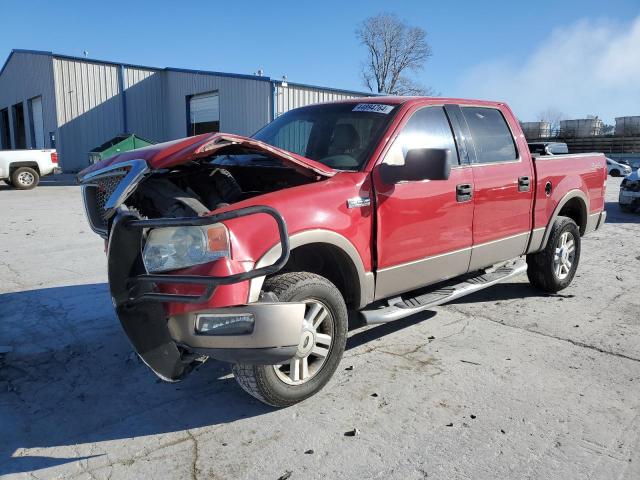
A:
{"points": [[464, 192], [524, 184]]}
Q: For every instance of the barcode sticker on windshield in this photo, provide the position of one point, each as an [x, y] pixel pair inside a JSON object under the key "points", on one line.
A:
{"points": [[373, 107]]}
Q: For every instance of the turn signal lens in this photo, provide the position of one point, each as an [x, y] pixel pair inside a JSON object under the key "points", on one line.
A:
{"points": [[218, 238]]}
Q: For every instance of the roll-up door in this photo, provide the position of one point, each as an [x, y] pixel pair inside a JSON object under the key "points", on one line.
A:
{"points": [[204, 113]]}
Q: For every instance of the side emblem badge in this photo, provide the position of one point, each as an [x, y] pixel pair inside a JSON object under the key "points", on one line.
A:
{"points": [[358, 202]]}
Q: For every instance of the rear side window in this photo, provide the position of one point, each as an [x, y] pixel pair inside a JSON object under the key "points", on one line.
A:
{"points": [[427, 128], [491, 135]]}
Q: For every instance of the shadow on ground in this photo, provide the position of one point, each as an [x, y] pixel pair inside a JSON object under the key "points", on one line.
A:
{"points": [[615, 215], [72, 379]]}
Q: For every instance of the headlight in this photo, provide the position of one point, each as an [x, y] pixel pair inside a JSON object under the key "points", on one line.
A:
{"points": [[173, 248]]}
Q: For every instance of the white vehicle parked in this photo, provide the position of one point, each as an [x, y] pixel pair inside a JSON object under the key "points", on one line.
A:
{"points": [[616, 169], [22, 169]]}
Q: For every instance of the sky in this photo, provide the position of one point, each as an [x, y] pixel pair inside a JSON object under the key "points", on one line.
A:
{"points": [[578, 57]]}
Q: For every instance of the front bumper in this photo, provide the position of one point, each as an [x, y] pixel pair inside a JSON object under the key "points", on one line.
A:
{"points": [[275, 336], [171, 345]]}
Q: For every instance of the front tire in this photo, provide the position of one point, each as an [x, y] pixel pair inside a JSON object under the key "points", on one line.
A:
{"points": [[615, 173], [25, 178], [321, 347], [553, 268]]}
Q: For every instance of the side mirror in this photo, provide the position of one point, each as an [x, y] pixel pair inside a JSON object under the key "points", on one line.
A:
{"points": [[419, 164]]}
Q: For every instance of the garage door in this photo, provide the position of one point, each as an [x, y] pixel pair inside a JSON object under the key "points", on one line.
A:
{"points": [[37, 132], [204, 112]]}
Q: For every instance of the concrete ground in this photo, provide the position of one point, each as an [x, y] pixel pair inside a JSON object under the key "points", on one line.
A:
{"points": [[507, 383]]}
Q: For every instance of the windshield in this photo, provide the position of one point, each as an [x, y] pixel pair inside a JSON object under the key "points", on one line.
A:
{"points": [[339, 135]]}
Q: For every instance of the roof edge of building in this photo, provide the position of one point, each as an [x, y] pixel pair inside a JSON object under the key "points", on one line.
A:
{"points": [[181, 70]]}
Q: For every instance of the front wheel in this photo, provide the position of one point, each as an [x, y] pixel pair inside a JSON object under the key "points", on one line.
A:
{"points": [[553, 268], [615, 173], [322, 342]]}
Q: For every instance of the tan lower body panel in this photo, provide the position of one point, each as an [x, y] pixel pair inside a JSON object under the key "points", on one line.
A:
{"points": [[487, 254], [409, 276]]}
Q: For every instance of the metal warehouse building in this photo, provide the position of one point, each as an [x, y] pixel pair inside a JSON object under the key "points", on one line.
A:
{"points": [[75, 104]]}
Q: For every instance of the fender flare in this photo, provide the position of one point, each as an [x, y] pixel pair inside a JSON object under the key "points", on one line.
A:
{"points": [[366, 279], [570, 195]]}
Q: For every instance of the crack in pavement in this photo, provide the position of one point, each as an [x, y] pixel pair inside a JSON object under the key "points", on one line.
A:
{"points": [[577, 343], [194, 463]]}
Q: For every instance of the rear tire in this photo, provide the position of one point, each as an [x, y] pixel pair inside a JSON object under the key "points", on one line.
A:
{"points": [[25, 178], [285, 385], [553, 268]]}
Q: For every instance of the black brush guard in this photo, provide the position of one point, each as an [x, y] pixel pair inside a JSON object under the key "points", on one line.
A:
{"points": [[138, 305]]}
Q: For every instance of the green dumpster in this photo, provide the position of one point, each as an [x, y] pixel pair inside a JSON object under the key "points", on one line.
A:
{"points": [[121, 143]]}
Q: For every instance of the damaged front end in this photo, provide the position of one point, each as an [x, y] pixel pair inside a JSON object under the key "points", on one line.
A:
{"points": [[172, 346], [132, 201]]}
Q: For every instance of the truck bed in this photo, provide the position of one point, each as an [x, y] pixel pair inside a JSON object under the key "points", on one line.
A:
{"points": [[586, 172]]}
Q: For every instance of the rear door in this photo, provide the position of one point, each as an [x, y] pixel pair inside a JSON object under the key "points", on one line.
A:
{"points": [[424, 228], [503, 180]]}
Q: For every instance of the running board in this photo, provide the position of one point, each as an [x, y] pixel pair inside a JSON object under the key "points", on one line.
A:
{"points": [[403, 307]]}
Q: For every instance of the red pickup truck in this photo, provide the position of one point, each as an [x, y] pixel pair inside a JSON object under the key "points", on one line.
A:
{"points": [[254, 250]]}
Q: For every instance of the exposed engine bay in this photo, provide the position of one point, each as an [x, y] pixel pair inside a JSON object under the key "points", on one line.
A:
{"points": [[198, 187]]}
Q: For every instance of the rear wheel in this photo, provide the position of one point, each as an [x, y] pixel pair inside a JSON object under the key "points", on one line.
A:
{"points": [[25, 178], [553, 268], [321, 346]]}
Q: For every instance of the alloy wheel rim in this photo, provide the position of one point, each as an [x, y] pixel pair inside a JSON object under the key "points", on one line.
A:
{"points": [[564, 256], [314, 347], [25, 178]]}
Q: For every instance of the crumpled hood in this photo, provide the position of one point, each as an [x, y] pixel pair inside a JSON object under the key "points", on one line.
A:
{"points": [[176, 152]]}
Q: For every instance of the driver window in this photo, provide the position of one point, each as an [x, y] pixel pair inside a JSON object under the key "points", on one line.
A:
{"points": [[427, 128]]}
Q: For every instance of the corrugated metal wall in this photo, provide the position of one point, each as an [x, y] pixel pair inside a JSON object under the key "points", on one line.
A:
{"points": [[145, 103], [18, 86], [83, 104], [244, 102], [296, 95], [89, 108]]}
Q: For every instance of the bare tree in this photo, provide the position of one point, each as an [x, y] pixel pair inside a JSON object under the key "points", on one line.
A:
{"points": [[553, 117], [394, 49]]}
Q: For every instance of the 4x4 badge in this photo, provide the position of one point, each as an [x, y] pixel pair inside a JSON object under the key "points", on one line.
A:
{"points": [[358, 202]]}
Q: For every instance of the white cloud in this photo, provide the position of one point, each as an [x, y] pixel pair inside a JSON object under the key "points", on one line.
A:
{"points": [[585, 68]]}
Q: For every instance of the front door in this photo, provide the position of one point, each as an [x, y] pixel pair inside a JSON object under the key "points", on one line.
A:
{"points": [[503, 188], [424, 228]]}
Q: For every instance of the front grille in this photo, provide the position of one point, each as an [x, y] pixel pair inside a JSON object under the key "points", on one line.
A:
{"points": [[96, 195]]}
